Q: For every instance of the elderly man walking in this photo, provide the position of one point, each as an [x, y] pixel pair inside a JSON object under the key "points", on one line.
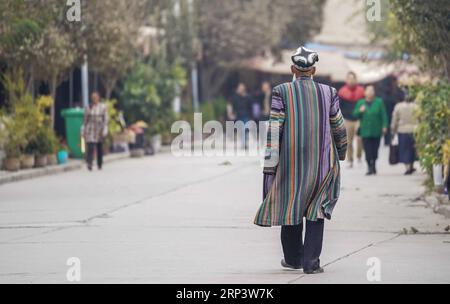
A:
{"points": [[306, 140]]}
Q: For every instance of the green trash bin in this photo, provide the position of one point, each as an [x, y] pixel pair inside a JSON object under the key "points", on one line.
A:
{"points": [[74, 121]]}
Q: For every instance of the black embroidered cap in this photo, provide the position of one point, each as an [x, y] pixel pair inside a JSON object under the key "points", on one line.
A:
{"points": [[304, 59]]}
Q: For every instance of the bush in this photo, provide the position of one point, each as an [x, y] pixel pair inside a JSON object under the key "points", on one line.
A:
{"points": [[215, 109], [26, 123], [44, 142], [148, 93], [434, 128], [15, 135]]}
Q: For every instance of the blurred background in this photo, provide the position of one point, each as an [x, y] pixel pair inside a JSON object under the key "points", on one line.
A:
{"points": [[160, 61], [154, 62]]}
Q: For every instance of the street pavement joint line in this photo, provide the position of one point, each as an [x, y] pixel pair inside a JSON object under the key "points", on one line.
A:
{"points": [[175, 189], [350, 254], [107, 214], [35, 234], [41, 226]]}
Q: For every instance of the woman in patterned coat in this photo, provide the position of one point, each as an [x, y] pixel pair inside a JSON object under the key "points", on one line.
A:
{"points": [[95, 129], [306, 140]]}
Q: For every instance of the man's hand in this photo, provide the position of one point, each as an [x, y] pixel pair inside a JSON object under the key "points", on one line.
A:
{"points": [[385, 131], [362, 109]]}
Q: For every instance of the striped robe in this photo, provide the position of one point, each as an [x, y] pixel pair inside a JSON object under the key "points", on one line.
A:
{"points": [[305, 141]]}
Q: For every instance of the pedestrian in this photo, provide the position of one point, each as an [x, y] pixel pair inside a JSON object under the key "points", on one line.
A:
{"points": [[349, 95], [392, 96], [262, 100], [95, 129], [305, 141], [241, 109], [404, 122], [371, 112], [241, 104]]}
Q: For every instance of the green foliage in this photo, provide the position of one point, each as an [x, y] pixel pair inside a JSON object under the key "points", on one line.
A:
{"points": [[148, 93], [3, 134], [43, 142], [15, 136], [421, 28], [434, 127], [26, 123], [115, 117]]}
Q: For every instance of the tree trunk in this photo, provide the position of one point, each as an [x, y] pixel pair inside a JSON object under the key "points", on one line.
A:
{"points": [[446, 64], [30, 83], [109, 85], [212, 80], [108, 92]]}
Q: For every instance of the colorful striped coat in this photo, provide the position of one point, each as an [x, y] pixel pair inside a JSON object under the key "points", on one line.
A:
{"points": [[305, 141]]}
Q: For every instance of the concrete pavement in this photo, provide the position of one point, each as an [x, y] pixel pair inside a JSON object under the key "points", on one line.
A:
{"points": [[189, 220]]}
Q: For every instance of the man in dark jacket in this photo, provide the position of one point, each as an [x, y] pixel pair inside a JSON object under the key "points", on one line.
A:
{"points": [[241, 109]]}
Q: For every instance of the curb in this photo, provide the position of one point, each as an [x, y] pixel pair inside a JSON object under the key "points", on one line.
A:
{"points": [[71, 166]]}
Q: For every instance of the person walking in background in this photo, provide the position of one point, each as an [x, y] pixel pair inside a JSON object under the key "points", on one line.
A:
{"points": [[404, 122], [241, 105], [349, 95], [305, 141], [95, 129], [262, 99], [371, 112], [392, 96]]}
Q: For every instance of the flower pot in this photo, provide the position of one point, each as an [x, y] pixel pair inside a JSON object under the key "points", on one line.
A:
{"points": [[62, 157], [156, 143], [52, 160], [41, 161], [12, 164], [27, 162]]}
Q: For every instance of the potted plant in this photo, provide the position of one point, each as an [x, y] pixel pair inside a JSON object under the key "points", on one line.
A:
{"points": [[27, 160], [42, 147], [52, 147], [63, 154], [13, 153], [15, 141]]}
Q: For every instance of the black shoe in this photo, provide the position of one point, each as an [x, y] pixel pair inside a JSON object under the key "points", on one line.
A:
{"points": [[370, 171], [314, 271], [289, 267], [89, 168]]}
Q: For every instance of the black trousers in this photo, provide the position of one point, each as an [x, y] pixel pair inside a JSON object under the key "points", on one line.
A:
{"points": [[91, 147], [299, 253], [371, 147]]}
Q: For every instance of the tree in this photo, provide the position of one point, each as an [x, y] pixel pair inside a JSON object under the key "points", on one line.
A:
{"points": [[34, 40], [108, 35], [21, 26], [422, 28], [54, 56], [417, 27]]}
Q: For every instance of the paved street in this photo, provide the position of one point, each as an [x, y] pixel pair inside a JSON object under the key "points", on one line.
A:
{"points": [[189, 220]]}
